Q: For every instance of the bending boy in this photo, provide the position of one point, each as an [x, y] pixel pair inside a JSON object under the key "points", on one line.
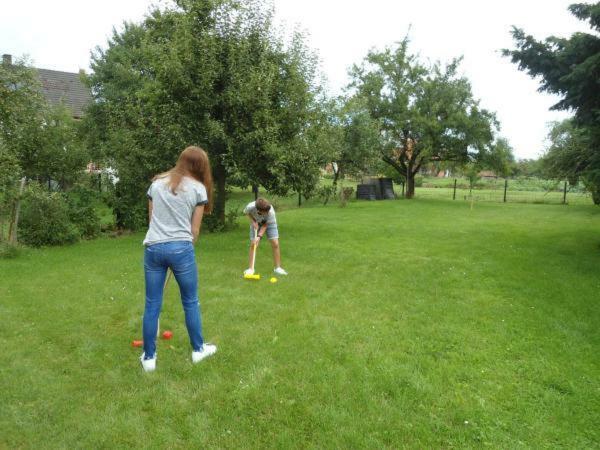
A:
{"points": [[262, 220]]}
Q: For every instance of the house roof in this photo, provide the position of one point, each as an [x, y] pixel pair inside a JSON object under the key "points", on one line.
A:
{"points": [[65, 87]]}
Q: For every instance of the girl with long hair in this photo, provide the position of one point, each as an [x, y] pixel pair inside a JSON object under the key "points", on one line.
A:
{"points": [[177, 200]]}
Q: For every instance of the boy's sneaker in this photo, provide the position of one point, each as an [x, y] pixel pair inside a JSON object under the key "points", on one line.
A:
{"points": [[280, 271], [249, 272], [148, 364], [204, 352]]}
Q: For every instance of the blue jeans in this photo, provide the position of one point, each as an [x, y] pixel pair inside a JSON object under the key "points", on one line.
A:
{"points": [[179, 256]]}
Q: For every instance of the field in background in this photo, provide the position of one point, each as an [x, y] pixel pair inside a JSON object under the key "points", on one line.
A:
{"points": [[519, 190]]}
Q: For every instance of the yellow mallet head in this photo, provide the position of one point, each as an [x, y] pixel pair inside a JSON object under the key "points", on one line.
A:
{"points": [[252, 277]]}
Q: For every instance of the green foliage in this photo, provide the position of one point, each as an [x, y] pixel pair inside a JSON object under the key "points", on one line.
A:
{"points": [[499, 158], [346, 193], [22, 109], [45, 219], [326, 192], [42, 138], [472, 173], [8, 250], [215, 74], [424, 113], [350, 136], [572, 156], [569, 68], [59, 155], [10, 173], [418, 181], [82, 211], [212, 224], [527, 167]]}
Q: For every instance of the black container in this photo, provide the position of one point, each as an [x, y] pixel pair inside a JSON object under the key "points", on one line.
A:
{"points": [[366, 192]]}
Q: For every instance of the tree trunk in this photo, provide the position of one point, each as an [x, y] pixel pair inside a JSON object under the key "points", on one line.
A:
{"points": [[219, 180], [255, 191], [12, 233], [336, 174], [596, 196], [410, 185]]}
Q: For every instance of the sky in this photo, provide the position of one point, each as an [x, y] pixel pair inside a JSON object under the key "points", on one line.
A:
{"points": [[60, 35]]}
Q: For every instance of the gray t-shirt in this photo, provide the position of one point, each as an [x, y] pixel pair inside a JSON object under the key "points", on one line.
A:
{"points": [[172, 214], [269, 218]]}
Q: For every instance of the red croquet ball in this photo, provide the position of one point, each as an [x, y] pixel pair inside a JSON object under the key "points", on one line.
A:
{"points": [[168, 334], [138, 343]]}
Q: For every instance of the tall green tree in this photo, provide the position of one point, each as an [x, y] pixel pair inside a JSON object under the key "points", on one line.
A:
{"points": [[359, 139], [22, 111], [211, 73], [424, 113], [570, 68], [43, 138], [500, 158], [569, 151], [527, 167]]}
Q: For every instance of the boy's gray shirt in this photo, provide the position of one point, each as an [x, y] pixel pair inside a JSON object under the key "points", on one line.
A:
{"points": [[269, 218], [172, 214]]}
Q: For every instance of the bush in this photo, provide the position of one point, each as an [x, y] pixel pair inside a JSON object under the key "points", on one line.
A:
{"points": [[8, 250], [345, 195], [45, 219], [418, 181], [82, 211], [212, 224], [326, 192]]}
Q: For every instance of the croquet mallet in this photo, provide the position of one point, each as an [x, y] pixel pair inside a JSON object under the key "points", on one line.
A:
{"points": [[253, 276]]}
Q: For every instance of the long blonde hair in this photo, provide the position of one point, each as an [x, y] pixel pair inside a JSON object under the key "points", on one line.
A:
{"points": [[193, 161]]}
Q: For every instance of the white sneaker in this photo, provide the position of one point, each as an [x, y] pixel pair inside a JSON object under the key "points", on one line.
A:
{"points": [[205, 352], [280, 271], [149, 365], [249, 272]]}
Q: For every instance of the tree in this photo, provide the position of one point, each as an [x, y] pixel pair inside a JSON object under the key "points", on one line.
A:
{"points": [[210, 73], [424, 114], [37, 141], [568, 152], [22, 109], [10, 172], [527, 167], [58, 154], [500, 158], [360, 139], [43, 138], [571, 69]]}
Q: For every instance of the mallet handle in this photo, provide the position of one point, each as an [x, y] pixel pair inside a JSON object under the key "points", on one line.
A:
{"points": [[254, 250]]}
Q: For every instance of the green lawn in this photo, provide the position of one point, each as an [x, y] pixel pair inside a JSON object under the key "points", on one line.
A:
{"points": [[497, 195], [402, 324], [519, 190]]}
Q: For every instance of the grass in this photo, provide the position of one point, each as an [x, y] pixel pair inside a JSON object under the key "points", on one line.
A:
{"points": [[402, 324], [519, 190], [497, 195]]}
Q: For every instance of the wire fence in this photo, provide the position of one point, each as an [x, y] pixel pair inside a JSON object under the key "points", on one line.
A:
{"points": [[529, 190]]}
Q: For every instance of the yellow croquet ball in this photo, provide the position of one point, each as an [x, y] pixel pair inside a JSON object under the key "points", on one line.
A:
{"points": [[273, 280]]}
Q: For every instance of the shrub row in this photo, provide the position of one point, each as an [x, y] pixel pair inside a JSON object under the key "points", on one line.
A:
{"points": [[55, 218]]}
